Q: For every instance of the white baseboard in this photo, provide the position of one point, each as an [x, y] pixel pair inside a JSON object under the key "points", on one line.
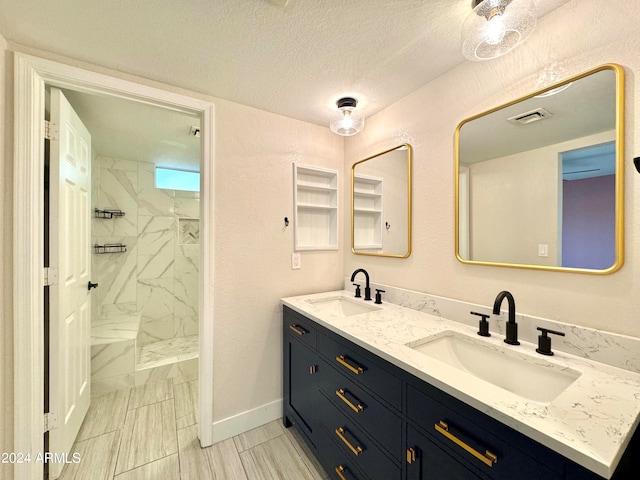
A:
{"points": [[242, 422]]}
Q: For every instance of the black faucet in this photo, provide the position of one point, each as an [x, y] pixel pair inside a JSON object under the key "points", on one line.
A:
{"points": [[512, 326], [367, 289]]}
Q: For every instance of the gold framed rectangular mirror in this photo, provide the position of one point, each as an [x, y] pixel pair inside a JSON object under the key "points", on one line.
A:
{"points": [[539, 181], [381, 204]]}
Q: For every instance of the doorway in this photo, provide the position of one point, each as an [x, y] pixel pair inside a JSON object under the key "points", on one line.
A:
{"points": [[31, 76]]}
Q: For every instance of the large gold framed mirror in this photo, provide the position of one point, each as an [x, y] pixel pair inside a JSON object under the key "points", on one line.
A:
{"points": [[381, 204], [539, 180]]}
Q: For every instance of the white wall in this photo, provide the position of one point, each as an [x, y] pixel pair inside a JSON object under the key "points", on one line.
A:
{"points": [[576, 37]]}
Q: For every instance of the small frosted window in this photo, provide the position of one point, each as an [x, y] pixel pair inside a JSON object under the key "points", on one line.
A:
{"points": [[172, 179]]}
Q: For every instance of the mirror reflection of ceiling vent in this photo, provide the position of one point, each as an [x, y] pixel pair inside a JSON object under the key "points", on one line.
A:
{"points": [[531, 116]]}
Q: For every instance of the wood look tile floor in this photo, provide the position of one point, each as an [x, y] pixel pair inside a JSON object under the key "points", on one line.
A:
{"points": [[150, 433]]}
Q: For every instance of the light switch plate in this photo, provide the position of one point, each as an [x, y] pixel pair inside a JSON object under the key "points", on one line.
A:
{"points": [[295, 261], [543, 250]]}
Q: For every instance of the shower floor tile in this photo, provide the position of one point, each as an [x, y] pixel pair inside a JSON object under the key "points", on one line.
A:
{"points": [[168, 351]]}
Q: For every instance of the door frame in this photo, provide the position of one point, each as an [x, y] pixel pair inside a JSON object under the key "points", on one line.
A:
{"points": [[30, 75]]}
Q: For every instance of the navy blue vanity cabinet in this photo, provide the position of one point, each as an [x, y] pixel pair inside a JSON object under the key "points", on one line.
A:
{"points": [[338, 464], [367, 419], [300, 362], [426, 461], [360, 407], [482, 445]]}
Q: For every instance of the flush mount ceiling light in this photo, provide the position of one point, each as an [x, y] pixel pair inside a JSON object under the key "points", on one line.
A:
{"points": [[349, 120], [495, 27]]}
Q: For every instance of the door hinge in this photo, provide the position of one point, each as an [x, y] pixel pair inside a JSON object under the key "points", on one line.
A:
{"points": [[50, 276], [51, 131], [50, 422]]}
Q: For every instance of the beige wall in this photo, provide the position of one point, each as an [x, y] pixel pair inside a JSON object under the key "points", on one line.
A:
{"points": [[576, 37]]}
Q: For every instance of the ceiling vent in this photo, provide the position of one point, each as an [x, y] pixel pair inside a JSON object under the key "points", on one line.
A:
{"points": [[530, 117]]}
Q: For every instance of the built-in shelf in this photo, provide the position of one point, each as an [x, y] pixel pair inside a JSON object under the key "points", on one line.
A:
{"points": [[315, 192], [367, 212]]}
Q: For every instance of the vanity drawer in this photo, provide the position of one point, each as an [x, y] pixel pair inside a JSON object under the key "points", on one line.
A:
{"points": [[300, 327], [363, 367], [363, 408], [357, 445], [338, 465], [500, 452]]}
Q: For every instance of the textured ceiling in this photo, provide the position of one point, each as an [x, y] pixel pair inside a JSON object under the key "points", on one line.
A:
{"points": [[295, 60]]}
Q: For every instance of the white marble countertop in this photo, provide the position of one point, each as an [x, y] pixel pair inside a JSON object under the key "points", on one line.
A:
{"points": [[590, 422]]}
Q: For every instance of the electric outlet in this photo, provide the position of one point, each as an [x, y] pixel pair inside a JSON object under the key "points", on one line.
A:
{"points": [[295, 261]]}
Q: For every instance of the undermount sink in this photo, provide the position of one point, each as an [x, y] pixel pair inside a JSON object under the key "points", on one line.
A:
{"points": [[343, 307], [532, 379]]}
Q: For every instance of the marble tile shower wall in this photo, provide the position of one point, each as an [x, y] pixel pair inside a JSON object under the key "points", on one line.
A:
{"points": [[157, 277]]}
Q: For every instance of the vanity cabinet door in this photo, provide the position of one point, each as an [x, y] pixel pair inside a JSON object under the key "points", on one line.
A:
{"points": [[302, 386], [300, 366], [426, 461], [477, 441]]}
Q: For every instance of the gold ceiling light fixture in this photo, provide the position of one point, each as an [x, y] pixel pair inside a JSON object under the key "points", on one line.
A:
{"points": [[495, 27], [348, 120]]}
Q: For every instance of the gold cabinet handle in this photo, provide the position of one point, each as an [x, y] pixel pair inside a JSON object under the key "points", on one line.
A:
{"points": [[357, 370], [356, 450], [411, 455], [339, 470], [488, 458], [298, 329], [356, 408]]}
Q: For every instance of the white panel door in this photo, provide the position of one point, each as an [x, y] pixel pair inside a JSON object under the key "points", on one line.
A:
{"points": [[70, 253]]}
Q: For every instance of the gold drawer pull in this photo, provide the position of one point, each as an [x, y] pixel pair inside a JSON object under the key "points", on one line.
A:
{"points": [[411, 455], [488, 458], [356, 450], [356, 408], [298, 329], [339, 470], [357, 370]]}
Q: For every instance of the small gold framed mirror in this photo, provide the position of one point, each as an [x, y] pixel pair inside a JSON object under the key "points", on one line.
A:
{"points": [[539, 181], [381, 204]]}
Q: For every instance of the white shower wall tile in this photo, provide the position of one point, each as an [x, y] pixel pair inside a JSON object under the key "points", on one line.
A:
{"points": [[155, 234], [601, 346], [187, 207], [186, 295], [156, 239], [115, 312], [187, 258], [155, 281], [117, 164], [113, 359], [151, 200], [117, 190], [117, 272], [186, 326], [156, 298], [156, 330]]}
